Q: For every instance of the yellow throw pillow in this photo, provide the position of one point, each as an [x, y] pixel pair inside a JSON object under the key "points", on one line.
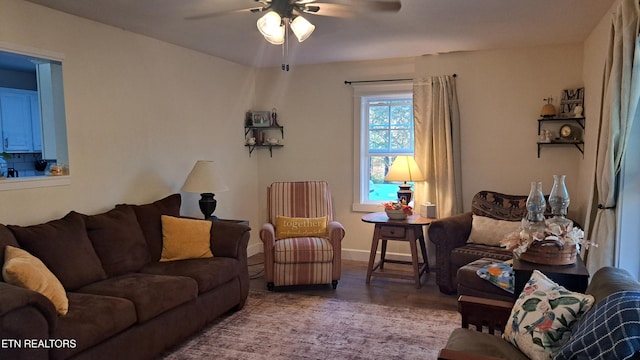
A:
{"points": [[288, 227], [185, 238], [27, 271]]}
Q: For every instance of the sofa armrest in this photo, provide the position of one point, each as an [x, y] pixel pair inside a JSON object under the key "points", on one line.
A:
{"points": [[451, 232], [448, 354], [14, 298], [447, 234], [336, 232], [484, 313], [229, 239]]}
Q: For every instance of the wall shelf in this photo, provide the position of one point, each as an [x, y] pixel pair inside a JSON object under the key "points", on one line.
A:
{"points": [[251, 131], [576, 141]]}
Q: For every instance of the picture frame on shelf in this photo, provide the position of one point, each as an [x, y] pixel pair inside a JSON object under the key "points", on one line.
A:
{"points": [[570, 99], [261, 118]]}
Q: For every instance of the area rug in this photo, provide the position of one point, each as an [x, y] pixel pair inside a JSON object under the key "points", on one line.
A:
{"points": [[276, 325]]}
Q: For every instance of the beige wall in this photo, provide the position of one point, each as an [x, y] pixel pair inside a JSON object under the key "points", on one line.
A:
{"points": [[500, 95], [140, 112]]}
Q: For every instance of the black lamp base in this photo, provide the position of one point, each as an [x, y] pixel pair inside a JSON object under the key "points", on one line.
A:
{"points": [[405, 193], [208, 205]]}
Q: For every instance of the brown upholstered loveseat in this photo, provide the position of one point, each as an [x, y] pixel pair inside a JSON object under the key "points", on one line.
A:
{"points": [[450, 235], [123, 302]]}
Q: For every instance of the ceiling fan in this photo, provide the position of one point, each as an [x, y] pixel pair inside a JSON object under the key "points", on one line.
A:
{"points": [[292, 8], [282, 15]]}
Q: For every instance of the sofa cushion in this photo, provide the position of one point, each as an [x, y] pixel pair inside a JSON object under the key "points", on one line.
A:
{"points": [[542, 317], [488, 231], [118, 240], [149, 219], [27, 271], [609, 331], [479, 343], [185, 238], [151, 294], [6, 239], [303, 250], [208, 273], [91, 319], [290, 227], [64, 247]]}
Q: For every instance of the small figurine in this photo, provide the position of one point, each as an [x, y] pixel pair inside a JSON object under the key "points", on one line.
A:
{"points": [[274, 117], [577, 111]]}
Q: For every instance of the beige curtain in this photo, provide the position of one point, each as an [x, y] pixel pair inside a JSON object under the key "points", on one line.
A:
{"points": [[437, 143], [619, 107]]}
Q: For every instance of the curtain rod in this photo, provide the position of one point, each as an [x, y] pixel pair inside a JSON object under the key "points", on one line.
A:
{"points": [[347, 82]]}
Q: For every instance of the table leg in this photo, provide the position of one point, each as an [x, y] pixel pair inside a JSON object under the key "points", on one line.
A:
{"points": [[423, 249], [411, 236], [383, 253], [374, 250]]}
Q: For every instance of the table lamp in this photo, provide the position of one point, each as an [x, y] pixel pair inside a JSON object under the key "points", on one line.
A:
{"points": [[205, 180], [404, 168]]}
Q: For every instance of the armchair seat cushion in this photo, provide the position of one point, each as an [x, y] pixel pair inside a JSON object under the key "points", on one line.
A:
{"points": [[479, 343], [303, 250]]}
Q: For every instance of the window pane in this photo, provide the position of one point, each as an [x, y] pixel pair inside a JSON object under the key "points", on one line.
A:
{"points": [[402, 140], [402, 116], [379, 140], [378, 116], [379, 190]]}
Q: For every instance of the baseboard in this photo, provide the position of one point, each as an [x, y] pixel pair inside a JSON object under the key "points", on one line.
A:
{"points": [[255, 249]]}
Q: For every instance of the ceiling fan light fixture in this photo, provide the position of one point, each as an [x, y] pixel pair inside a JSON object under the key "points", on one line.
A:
{"points": [[270, 26], [301, 28]]}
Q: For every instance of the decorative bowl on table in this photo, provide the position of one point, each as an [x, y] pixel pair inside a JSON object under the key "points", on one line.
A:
{"points": [[396, 214]]}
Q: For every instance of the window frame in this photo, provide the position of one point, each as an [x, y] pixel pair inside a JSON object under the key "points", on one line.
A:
{"points": [[361, 167]]}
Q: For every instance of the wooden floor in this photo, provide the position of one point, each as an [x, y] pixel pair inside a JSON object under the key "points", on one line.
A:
{"points": [[353, 287]]}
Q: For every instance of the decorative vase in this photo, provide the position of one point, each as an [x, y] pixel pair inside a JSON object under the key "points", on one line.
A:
{"points": [[559, 201]]}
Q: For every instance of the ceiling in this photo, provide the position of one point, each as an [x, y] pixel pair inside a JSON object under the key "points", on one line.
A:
{"points": [[420, 27]]}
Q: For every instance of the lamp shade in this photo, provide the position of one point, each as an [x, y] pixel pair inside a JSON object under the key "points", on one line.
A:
{"points": [[404, 168], [302, 28], [204, 178], [271, 27]]}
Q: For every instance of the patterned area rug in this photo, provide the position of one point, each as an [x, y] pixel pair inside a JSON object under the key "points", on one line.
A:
{"points": [[290, 326]]}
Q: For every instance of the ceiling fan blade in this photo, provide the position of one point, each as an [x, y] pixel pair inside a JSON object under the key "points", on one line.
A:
{"points": [[328, 9], [348, 8], [222, 13], [375, 5]]}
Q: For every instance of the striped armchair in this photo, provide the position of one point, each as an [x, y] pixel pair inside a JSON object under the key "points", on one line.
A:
{"points": [[301, 260]]}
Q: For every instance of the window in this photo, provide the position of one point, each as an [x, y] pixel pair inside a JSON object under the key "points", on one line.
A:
{"points": [[383, 128]]}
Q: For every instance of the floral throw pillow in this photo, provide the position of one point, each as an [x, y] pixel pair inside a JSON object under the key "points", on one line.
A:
{"points": [[541, 319], [499, 274]]}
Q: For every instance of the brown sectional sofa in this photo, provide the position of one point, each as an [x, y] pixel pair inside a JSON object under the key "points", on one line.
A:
{"points": [[123, 302]]}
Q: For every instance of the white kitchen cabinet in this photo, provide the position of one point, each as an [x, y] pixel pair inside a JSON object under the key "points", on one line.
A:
{"points": [[20, 121]]}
